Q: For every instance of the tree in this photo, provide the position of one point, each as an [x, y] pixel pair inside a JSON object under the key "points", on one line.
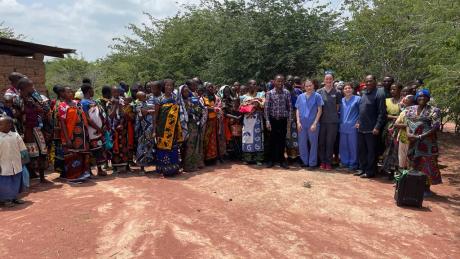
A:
{"points": [[407, 39], [70, 71], [7, 32], [228, 41]]}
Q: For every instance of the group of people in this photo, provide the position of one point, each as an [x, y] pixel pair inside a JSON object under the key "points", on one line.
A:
{"points": [[286, 121]]}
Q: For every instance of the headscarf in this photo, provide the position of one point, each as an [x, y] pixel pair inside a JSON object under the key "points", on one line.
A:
{"points": [[183, 114], [79, 95], [424, 92], [220, 93]]}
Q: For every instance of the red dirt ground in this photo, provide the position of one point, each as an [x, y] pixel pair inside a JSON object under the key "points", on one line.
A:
{"points": [[235, 211]]}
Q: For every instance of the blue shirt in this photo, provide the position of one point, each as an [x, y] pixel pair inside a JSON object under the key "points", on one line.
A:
{"points": [[349, 114], [294, 94], [308, 107], [86, 104]]}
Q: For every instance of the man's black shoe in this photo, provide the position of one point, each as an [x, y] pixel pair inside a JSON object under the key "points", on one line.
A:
{"points": [[270, 164], [366, 176], [284, 165]]}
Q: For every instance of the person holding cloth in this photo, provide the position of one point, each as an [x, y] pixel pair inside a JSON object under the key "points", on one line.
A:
{"points": [[309, 108], [372, 113], [278, 108]]}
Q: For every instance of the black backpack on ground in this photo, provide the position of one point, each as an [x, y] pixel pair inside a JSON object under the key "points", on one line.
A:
{"points": [[410, 186]]}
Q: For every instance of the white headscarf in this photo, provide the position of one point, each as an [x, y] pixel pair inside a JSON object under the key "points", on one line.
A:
{"points": [[183, 114]]}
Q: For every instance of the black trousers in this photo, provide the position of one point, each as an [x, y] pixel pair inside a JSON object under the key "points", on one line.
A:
{"points": [[326, 144], [278, 140], [367, 149]]}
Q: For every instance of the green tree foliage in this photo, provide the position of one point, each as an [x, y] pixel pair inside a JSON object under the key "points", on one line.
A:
{"points": [[405, 38], [224, 41], [7, 32], [70, 71]]}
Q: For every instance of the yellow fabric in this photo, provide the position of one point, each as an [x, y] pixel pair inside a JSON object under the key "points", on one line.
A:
{"points": [[208, 103], [392, 108], [172, 124]]}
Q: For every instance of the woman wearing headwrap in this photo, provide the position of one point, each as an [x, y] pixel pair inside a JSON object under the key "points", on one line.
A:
{"points": [[168, 132], [390, 133], [423, 122], [253, 133], [211, 142], [192, 118], [231, 127]]}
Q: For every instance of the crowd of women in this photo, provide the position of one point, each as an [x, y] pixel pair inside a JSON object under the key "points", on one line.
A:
{"points": [[286, 121]]}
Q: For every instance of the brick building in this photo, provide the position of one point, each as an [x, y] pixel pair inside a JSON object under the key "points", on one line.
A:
{"points": [[26, 58]]}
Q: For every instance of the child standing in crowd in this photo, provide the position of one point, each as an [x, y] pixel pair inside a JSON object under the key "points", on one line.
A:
{"points": [[308, 112], [349, 112], [145, 131], [96, 123], [13, 153]]}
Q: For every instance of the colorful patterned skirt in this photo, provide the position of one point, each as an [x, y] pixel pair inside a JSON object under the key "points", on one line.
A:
{"points": [[193, 157], [168, 161], [210, 139], [292, 144]]}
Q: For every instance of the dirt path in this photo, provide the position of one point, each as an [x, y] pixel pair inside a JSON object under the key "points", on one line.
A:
{"points": [[235, 211]]}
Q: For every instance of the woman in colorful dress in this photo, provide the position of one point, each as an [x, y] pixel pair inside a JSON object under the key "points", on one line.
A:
{"points": [[59, 164], [120, 124], [423, 122], [230, 122], [96, 126], [145, 131], [168, 132], [292, 143], [193, 118], [211, 135], [390, 133], [253, 133], [33, 116], [75, 141]]}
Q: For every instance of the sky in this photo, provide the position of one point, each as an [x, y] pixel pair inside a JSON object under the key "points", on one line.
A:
{"points": [[85, 25]]}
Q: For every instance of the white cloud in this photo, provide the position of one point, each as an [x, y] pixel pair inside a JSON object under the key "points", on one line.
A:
{"points": [[85, 25]]}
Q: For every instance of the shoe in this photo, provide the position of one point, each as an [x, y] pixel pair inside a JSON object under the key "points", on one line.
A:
{"points": [[303, 165], [284, 165], [8, 204], [102, 173], [366, 176], [18, 201], [322, 166], [358, 173], [269, 164], [259, 163], [328, 167]]}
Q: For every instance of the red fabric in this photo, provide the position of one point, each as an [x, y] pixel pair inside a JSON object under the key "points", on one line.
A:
{"points": [[247, 108]]}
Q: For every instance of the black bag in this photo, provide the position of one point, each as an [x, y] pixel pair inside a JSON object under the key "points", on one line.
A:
{"points": [[410, 186]]}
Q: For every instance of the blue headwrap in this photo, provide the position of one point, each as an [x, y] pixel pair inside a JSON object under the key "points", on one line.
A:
{"points": [[425, 92]]}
